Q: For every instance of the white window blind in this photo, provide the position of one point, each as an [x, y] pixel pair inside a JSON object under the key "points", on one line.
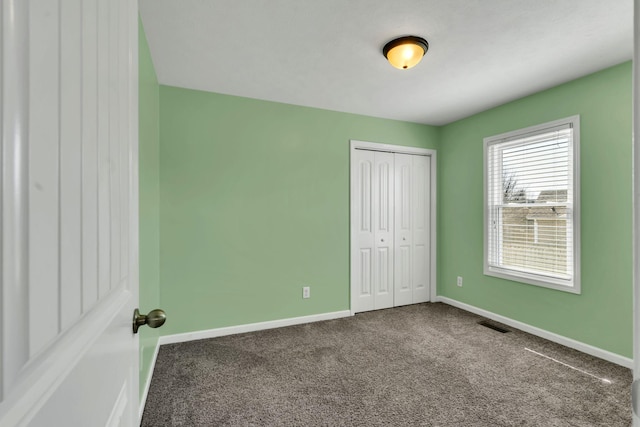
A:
{"points": [[530, 205]]}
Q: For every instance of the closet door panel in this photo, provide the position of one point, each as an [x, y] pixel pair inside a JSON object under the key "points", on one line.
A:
{"points": [[383, 216], [421, 210], [403, 229], [362, 219]]}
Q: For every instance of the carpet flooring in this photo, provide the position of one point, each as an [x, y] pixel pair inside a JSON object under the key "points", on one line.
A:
{"points": [[419, 365]]}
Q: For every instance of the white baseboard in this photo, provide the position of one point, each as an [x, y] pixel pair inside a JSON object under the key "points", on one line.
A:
{"points": [[251, 327], [567, 342], [147, 384]]}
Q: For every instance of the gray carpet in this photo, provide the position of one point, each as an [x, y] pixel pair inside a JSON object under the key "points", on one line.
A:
{"points": [[420, 365]]}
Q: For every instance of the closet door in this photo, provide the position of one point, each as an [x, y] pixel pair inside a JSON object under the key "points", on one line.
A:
{"points": [[383, 214], [372, 216], [403, 229], [362, 246], [421, 219], [412, 268], [390, 214]]}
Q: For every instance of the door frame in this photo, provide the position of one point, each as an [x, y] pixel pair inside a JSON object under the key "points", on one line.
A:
{"points": [[400, 149]]}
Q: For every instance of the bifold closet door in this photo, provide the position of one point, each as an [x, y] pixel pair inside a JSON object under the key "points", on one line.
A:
{"points": [[411, 206], [374, 221], [421, 213], [391, 216]]}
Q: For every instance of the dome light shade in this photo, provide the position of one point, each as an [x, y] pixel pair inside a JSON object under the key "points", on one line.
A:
{"points": [[405, 52]]}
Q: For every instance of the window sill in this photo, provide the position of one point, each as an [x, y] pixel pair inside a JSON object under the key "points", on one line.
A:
{"points": [[531, 279]]}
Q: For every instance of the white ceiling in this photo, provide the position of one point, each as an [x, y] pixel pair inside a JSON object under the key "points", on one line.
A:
{"points": [[328, 53]]}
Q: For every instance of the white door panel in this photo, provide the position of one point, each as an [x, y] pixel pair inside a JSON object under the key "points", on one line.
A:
{"points": [[89, 208], [43, 190], [74, 406], [421, 218], [70, 163], [362, 215], [69, 212], [403, 229], [383, 215]]}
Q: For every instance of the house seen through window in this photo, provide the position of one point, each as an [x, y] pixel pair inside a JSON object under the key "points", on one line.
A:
{"points": [[531, 205]]}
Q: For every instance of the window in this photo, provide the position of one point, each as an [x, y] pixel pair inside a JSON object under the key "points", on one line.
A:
{"points": [[531, 190]]}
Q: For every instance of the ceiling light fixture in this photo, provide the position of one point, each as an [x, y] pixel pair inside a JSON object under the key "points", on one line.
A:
{"points": [[405, 52]]}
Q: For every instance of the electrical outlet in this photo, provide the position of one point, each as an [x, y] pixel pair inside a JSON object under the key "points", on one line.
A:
{"points": [[306, 292], [460, 281]]}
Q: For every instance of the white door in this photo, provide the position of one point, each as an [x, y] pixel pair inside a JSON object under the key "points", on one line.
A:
{"points": [[69, 213], [403, 230], [374, 231], [391, 223], [382, 214], [421, 229], [362, 236], [412, 254]]}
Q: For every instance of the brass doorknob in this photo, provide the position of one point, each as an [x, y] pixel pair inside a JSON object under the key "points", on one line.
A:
{"points": [[154, 319]]}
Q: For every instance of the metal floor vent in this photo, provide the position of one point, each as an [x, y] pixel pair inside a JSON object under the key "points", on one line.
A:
{"points": [[491, 325]]}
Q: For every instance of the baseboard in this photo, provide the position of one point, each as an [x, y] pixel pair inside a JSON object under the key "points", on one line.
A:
{"points": [[147, 384], [251, 327], [567, 342]]}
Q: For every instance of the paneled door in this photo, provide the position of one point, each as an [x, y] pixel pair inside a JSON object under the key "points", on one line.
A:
{"points": [[411, 231], [391, 226], [421, 239], [403, 230], [69, 213], [412, 184], [374, 230]]}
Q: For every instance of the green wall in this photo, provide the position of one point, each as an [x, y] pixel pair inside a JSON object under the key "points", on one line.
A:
{"points": [[255, 204], [149, 188], [602, 315]]}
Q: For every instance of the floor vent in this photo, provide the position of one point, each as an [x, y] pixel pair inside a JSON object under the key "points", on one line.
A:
{"points": [[493, 326]]}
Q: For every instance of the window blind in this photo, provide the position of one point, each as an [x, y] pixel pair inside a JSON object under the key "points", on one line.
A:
{"points": [[529, 196]]}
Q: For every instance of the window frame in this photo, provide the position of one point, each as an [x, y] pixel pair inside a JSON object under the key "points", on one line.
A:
{"points": [[574, 284]]}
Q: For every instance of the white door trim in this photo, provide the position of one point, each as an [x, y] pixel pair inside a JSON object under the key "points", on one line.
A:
{"points": [[390, 148]]}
